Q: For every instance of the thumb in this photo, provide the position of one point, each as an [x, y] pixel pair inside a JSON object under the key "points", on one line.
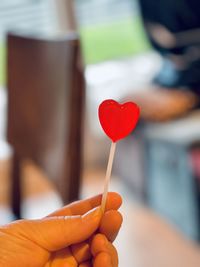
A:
{"points": [[54, 233]]}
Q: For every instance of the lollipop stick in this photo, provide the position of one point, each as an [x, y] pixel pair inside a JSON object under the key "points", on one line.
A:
{"points": [[108, 174]]}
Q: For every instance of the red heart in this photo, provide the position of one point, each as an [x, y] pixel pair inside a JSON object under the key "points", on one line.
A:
{"points": [[118, 120]]}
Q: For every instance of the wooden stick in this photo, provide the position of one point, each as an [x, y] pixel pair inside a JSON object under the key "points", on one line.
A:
{"points": [[108, 174]]}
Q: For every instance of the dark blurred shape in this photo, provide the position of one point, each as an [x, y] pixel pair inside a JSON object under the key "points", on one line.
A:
{"points": [[173, 28], [45, 110]]}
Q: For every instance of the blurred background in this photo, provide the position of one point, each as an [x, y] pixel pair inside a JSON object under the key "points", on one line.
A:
{"points": [[58, 60]]}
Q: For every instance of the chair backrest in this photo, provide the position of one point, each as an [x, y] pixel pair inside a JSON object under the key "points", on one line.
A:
{"points": [[45, 106]]}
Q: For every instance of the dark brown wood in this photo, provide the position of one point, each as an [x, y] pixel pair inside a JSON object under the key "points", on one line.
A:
{"points": [[16, 186], [45, 106]]}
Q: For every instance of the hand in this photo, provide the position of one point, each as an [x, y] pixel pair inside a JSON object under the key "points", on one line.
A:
{"points": [[160, 104], [76, 235]]}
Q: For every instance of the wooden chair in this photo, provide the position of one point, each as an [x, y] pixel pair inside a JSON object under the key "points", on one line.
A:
{"points": [[45, 110]]}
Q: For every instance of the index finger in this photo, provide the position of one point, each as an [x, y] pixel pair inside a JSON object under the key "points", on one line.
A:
{"points": [[80, 207]]}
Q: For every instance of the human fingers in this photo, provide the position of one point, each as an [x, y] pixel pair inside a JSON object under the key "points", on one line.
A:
{"points": [[55, 233], [113, 202], [110, 224], [81, 251], [103, 259], [104, 252], [83, 256], [62, 258], [86, 264]]}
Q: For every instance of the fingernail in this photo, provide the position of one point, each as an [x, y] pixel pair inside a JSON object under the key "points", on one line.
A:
{"points": [[95, 213]]}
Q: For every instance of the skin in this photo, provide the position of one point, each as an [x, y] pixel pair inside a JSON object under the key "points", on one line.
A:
{"points": [[160, 104], [78, 235]]}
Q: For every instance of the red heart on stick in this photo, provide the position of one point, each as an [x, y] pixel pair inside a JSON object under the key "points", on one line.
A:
{"points": [[118, 120]]}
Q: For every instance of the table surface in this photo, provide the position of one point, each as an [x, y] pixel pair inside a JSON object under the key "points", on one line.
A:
{"points": [[181, 131]]}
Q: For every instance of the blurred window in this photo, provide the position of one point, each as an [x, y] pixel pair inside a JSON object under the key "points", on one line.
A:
{"points": [[33, 15], [110, 29]]}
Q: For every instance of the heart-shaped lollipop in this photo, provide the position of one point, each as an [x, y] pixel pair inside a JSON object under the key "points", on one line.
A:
{"points": [[118, 120]]}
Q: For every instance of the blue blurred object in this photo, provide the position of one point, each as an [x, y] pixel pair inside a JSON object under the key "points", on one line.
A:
{"points": [[171, 185]]}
